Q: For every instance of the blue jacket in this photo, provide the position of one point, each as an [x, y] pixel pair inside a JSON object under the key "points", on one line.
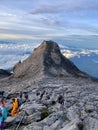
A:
{"points": [[4, 114]]}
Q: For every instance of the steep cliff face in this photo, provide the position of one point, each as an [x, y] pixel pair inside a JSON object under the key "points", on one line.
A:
{"points": [[32, 66], [46, 60], [57, 64]]}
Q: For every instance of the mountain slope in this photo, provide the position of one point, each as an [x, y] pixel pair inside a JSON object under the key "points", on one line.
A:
{"points": [[46, 60]]}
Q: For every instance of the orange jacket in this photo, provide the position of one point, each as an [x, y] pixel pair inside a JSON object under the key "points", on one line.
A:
{"points": [[15, 104]]}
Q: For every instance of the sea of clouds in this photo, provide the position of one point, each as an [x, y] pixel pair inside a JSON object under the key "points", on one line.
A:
{"points": [[13, 51]]}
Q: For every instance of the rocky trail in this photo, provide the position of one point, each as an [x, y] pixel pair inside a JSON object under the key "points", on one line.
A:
{"points": [[79, 112]]}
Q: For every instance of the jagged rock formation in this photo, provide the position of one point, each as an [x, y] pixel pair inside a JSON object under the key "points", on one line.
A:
{"points": [[4, 73], [46, 60]]}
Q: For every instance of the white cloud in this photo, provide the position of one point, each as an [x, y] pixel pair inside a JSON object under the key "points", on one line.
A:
{"points": [[96, 61], [70, 53], [7, 15], [11, 53], [15, 36], [15, 50]]}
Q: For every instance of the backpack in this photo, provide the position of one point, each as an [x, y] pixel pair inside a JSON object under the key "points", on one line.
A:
{"points": [[19, 102], [1, 112]]}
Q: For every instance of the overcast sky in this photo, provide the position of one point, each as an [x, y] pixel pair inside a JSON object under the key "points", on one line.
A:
{"points": [[47, 19]]}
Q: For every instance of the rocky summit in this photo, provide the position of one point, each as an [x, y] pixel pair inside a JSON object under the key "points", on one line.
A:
{"points": [[46, 60], [45, 76]]}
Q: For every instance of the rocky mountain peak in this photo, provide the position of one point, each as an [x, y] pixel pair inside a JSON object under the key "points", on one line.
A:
{"points": [[46, 59], [51, 46], [48, 47]]}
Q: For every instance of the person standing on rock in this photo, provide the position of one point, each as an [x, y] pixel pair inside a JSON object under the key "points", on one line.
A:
{"points": [[15, 110], [26, 96], [3, 114], [41, 96], [2, 95], [21, 94], [61, 101]]}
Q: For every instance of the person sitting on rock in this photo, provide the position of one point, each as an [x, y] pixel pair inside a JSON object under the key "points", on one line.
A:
{"points": [[15, 110], [3, 114]]}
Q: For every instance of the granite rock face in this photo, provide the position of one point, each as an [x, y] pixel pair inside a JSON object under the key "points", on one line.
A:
{"points": [[46, 60]]}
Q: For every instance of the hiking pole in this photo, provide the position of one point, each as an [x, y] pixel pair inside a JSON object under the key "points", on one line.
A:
{"points": [[20, 121]]}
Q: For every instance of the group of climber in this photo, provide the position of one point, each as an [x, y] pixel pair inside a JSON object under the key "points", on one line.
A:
{"points": [[16, 103], [3, 111]]}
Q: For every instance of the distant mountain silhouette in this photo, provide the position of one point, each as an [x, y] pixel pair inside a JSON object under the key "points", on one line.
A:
{"points": [[46, 60], [4, 73]]}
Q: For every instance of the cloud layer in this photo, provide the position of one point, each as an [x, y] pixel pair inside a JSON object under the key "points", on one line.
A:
{"points": [[38, 19], [11, 51]]}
